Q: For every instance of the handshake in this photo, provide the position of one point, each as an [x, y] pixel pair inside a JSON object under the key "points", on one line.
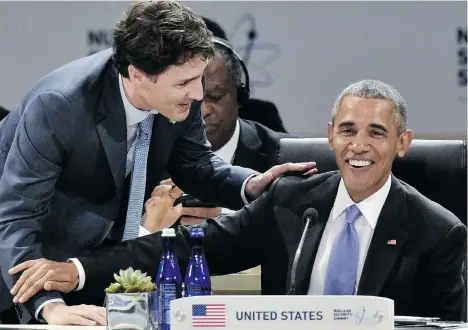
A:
{"points": [[162, 210]]}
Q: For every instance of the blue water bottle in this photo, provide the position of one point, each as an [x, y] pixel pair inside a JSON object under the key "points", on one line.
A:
{"points": [[197, 279], [168, 280]]}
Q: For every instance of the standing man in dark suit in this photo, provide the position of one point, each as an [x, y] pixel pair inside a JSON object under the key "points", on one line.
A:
{"points": [[375, 235], [100, 129]]}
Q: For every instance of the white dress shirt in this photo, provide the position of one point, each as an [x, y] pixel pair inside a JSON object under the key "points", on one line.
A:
{"points": [[228, 151], [133, 117], [370, 210]]}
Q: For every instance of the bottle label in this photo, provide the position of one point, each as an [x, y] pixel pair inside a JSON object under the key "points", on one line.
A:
{"points": [[192, 290], [167, 293]]}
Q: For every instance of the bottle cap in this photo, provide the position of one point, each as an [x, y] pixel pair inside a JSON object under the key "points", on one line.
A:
{"points": [[168, 232]]}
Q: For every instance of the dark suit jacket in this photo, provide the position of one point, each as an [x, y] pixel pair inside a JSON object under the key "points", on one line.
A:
{"points": [[63, 155], [422, 273], [3, 112], [264, 112], [257, 146]]}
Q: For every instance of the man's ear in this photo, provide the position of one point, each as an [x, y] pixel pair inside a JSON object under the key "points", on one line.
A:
{"points": [[134, 74], [330, 137], [404, 141]]}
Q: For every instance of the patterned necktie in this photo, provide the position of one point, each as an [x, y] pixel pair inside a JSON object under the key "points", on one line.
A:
{"points": [[341, 273], [138, 180]]}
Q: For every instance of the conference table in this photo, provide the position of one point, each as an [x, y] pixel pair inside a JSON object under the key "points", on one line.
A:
{"points": [[244, 283], [61, 327]]}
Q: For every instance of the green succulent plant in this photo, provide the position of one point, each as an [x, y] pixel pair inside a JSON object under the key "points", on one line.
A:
{"points": [[131, 281]]}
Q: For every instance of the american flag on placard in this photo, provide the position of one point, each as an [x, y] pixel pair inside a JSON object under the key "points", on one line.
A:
{"points": [[209, 316]]}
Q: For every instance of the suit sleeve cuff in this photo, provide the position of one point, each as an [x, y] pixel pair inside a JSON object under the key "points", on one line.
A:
{"points": [[244, 198], [41, 306], [81, 273], [144, 232]]}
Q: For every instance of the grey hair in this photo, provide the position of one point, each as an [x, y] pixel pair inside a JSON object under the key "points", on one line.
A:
{"points": [[375, 89], [234, 67]]}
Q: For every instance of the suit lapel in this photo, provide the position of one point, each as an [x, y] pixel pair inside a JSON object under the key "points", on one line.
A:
{"points": [[112, 129], [247, 151], [323, 198], [163, 137], [387, 242]]}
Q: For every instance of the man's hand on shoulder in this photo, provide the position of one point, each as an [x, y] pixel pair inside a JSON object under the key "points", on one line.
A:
{"points": [[43, 274], [61, 314], [259, 183]]}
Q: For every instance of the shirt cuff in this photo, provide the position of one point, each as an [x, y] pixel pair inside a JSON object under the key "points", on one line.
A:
{"points": [[244, 198], [225, 211], [41, 306], [81, 273], [144, 232]]}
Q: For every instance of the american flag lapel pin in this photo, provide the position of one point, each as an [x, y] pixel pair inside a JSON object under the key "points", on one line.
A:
{"points": [[391, 242]]}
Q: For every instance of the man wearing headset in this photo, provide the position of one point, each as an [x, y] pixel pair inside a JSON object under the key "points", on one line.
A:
{"points": [[262, 111]]}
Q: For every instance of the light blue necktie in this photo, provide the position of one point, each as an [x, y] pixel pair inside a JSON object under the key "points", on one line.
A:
{"points": [[341, 273], [138, 181]]}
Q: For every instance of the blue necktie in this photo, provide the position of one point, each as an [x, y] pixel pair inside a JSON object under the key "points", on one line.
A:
{"points": [[138, 181], [341, 273]]}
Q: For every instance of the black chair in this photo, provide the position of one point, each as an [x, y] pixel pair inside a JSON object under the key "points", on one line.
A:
{"points": [[436, 168]]}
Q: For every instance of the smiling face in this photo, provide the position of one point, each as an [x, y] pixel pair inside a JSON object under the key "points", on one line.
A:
{"points": [[172, 92], [365, 139]]}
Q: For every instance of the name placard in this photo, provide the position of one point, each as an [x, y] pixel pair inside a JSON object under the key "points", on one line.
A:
{"points": [[282, 312]]}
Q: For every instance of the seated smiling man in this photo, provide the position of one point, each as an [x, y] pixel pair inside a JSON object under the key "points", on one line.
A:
{"points": [[360, 209]]}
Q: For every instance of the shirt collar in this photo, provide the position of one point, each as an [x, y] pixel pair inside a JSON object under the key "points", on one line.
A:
{"points": [[227, 151], [133, 115], [370, 207]]}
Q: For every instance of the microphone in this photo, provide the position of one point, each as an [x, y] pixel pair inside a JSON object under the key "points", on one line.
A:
{"points": [[310, 214]]}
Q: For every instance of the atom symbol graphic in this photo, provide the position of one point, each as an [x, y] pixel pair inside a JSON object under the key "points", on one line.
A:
{"points": [[257, 55]]}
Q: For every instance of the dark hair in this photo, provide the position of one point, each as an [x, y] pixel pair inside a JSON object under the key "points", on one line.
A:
{"points": [[215, 28], [153, 35]]}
